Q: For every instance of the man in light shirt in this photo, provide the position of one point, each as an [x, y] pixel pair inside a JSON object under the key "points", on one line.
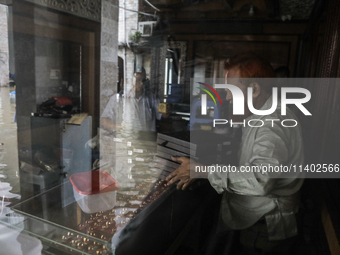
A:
{"points": [[262, 205], [130, 118], [138, 111]]}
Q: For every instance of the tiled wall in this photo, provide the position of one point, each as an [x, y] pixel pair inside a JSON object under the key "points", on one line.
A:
{"points": [[108, 73], [47, 57], [109, 55]]}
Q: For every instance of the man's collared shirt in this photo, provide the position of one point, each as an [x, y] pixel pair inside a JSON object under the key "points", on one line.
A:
{"points": [[247, 197], [133, 113]]}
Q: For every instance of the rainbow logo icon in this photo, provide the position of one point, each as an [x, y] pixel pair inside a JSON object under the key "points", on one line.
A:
{"points": [[213, 90]]}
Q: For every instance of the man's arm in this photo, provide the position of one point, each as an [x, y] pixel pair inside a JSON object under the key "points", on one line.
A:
{"points": [[107, 124], [109, 114], [269, 149]]}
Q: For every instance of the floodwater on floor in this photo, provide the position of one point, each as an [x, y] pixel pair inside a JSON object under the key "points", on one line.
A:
{"points": [[9, 168]]}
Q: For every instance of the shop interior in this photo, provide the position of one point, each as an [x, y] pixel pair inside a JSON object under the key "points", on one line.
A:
{"points": [[73, 60]]}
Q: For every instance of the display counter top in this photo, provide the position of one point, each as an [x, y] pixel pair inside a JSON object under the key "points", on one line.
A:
{"points": [[61, 223], [69, 229]]}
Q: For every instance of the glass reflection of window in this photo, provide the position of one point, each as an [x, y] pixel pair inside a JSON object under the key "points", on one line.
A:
{"points": [[168, 75], [172, 65]]}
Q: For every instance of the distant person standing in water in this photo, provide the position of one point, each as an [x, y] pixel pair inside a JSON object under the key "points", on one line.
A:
{"points": [[137, 111]]}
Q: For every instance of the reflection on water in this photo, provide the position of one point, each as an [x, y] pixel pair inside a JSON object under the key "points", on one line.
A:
{"points": [[12, 240], [131, 164], [134, 141], [134, 159], [8, 140], [9, 179], [134, 169], [128, 156]]}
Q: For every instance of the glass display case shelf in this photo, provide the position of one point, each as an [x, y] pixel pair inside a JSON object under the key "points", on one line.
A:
{"points": [[69, 230], [64, 227], [49, 235]]}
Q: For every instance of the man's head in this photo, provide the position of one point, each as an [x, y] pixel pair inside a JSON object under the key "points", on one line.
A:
{"points": [[139, 79], [247, 70]]}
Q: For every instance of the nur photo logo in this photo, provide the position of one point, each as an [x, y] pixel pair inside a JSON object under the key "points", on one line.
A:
{"points": [[238, 103]]}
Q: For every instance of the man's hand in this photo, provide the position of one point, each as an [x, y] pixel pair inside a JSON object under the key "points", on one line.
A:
{"points": [[181, 174]]}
